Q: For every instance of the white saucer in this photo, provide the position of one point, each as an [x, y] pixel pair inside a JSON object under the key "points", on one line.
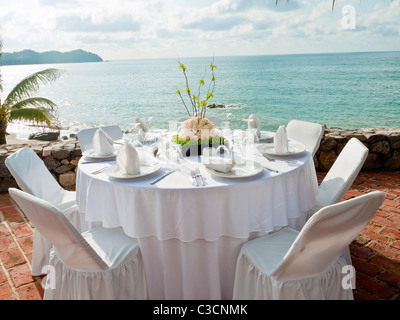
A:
{"points": [[269, 149], [245, 170], [146, 168], [92, 154]]}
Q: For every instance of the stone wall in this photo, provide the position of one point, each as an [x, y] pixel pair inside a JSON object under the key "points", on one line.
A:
{"points": [[61, 157], [383, 145]]}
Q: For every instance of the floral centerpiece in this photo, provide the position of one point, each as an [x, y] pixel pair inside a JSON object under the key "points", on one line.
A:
{"points": [[197, 131]]}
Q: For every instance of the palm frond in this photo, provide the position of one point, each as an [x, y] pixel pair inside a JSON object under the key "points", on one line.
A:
{"points": [[31, 114], [35, 102], [30, 85]]}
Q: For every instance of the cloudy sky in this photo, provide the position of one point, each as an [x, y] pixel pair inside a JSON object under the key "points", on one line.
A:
{"points": [[132, 29]]}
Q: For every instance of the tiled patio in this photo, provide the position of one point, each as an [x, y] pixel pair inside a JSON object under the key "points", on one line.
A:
{"points": [[375, 252]]}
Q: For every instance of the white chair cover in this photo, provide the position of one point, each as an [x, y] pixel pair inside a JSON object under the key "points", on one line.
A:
{"points": [[308, 133], [97, 264], [85, 136], [32, 176], [342, 174], [288, 264], [340, 177]]}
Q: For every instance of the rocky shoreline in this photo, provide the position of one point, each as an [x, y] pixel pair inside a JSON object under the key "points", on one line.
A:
{"points": [[61, 157]]}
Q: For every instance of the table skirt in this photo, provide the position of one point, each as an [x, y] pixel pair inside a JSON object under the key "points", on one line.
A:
{"points": [[178, 270]]}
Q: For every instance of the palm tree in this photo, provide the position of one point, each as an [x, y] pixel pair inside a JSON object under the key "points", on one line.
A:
{"points": [[20, 105]]}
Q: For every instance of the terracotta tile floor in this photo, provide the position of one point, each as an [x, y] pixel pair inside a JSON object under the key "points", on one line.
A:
{"points": [[375, 252]]}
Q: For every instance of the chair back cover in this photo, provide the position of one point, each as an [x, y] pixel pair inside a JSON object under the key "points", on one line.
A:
{"points": [[85, 136], [32, 175], [343, 172], [325, 235], [308, 133], [72, 249]]}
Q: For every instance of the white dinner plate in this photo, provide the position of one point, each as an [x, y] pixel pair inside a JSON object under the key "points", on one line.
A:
{"points": [[245, 170], [146, 168], [92, 154], [269, 149]]}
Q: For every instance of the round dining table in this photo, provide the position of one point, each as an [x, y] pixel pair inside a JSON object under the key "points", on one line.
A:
{"points": [[190, 235]]}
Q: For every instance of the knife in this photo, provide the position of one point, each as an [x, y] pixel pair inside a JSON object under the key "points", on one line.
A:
{"points": [[273, 170], [162, 177]]}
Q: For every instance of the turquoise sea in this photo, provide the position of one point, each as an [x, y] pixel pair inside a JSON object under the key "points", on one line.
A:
{"points": [[346, 90]]}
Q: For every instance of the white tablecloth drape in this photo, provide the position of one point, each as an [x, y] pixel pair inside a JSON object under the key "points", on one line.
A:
{"points": [[190, 236]]}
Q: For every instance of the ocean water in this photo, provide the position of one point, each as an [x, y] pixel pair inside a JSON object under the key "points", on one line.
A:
{"points": [[346, 90]]}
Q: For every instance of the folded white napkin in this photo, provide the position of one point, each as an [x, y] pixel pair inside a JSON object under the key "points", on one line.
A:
{"points": [[128, 161], [281, 140], [142, 125], [254, 123], [219, 164], [102, 143]]}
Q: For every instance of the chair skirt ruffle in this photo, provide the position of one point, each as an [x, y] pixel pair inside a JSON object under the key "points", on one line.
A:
{"points": [[125, 282], [251, 283]]}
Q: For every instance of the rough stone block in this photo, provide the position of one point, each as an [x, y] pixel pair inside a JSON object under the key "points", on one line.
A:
{"points": [[46, 151], [60, 154], [393, 163], [376, 138], [327, 159], [4, 172], [63, 169], [358, 136], [67, 180], [394, 142], [51, 163], [328, 144], [373, 161], [380, 147]]}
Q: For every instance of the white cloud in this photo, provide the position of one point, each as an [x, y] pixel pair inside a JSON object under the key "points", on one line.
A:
{"points": [[124, 29]]}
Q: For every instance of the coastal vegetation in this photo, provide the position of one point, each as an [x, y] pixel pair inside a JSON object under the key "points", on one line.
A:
{"points": [[20, 104], [33, 57]]}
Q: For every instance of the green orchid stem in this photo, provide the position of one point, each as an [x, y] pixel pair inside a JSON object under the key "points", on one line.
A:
{"points": [[199, 107]]}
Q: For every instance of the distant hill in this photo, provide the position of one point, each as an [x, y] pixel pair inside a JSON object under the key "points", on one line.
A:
{"points": [[33, 57]]}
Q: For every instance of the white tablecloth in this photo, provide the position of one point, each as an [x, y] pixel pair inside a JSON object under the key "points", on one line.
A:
{"points": [[190, 236]]}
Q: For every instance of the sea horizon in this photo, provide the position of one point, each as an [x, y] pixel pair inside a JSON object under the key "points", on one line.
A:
{"points": [[256, 55], [349, 90]]}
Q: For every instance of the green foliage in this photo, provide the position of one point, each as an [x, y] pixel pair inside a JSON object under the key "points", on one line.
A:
{"points": [[188, 142], [20, 104], [49, 57], [38, 115], [199, 106], [30, 85]]}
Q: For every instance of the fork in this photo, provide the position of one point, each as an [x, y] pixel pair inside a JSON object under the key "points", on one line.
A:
{"points": [[194, 176], [198, 174]]}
